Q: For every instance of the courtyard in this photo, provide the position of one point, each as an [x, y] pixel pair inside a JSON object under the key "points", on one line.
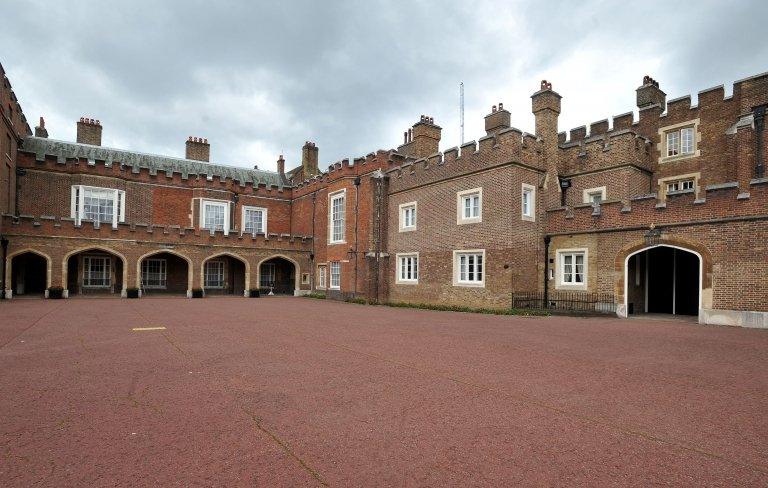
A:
{"points": [[286, 391]]}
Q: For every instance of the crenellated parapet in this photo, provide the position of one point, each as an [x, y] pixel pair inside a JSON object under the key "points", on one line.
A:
{"points": [[65, 157], [714, 203], [380, 160], [504, 147], [605, 149], [50, 226]]}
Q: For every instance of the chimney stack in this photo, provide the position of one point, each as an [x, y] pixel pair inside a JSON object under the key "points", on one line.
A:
{"points": [[40, 130], [497, 120], [89, 131], [546, 109], [422, 140], [198, 149], [650, 94], [281, 165], [309, 159]]}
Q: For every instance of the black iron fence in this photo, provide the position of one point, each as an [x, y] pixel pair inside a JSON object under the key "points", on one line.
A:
{"points": [[571, 301]]}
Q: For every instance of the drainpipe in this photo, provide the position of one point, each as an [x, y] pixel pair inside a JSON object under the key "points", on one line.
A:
{"points": [[19, 173], [4, 243], [357, 208], [759, 114], [546, 271], [312, 254]]}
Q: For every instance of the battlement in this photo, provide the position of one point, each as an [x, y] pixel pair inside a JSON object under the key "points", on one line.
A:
{"points": [[506, 146], [29, 225], [606, 149], [381, 159], [59, 156], [722, 201]]}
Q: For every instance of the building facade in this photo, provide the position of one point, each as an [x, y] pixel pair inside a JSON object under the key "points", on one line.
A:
{"points": [[664, 214]]}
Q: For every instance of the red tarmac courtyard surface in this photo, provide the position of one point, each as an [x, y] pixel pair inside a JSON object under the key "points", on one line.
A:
{"points": [[302, 392]]}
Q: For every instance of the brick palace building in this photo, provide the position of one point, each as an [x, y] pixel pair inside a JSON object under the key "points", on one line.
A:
{"points": [[665, 214]]}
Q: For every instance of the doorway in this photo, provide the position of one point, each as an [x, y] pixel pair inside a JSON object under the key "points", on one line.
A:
{"points": [[663, 280]]}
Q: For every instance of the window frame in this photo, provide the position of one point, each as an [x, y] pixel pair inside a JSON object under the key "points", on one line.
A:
{"points": [[106, 274], [322, 276], [340, 194], [331, 265], [251, 208], [457, 281], [529, 190], [267, 270], [463, 195], [219, 203], [77, 206], [678, 129], [589, 192], [402, 209], [560, 262], [163, 272], [222, 274], [399, 257]]}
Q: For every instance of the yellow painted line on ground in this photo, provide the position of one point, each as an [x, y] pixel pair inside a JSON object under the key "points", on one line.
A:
{"points": [[148, 328]]}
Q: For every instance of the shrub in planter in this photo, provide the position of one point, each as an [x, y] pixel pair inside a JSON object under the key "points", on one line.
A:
{"points": [[132, 292], [197, 293], [253, 293], [56, 292]]}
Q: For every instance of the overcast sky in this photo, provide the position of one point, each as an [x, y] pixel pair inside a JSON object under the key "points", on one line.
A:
{"points": [[258, 78]]}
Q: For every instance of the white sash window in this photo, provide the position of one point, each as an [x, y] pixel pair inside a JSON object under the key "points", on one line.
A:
{"points": [[100, 205], [97, 272], [214, 215], [254, 220]]}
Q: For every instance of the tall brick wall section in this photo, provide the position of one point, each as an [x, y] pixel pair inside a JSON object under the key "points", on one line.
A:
{"points": [[511, 244]]}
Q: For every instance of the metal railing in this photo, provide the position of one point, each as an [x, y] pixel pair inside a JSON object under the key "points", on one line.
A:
{"points": [[569, 301]]}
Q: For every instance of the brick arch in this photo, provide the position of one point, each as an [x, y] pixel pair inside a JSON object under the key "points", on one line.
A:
{"points": [[65, 270], [190, 268], [297, 277], [9, 266], [231, 255], [705, 256]]}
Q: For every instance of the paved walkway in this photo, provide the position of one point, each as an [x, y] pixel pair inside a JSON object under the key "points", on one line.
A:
{"points": [[301, 392]]}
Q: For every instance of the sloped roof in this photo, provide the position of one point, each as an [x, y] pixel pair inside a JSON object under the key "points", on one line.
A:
{"points": [[152, 162]]}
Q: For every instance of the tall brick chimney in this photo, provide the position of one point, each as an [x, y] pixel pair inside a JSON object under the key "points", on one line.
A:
{"points": [[546, 109], [650, 94], [281, 165], [309, 159], [89, 131], [198, 149], [499, 119], [422, 140], [40, 130]]}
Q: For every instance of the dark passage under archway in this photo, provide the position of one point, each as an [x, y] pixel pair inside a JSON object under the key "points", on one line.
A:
{"points": [[279, 275], [663, 280], [30, 274]]}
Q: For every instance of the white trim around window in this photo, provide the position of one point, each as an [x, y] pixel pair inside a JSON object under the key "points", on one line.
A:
{"points": [[337, 210], [528, 202], [679, 141], [322, 276], [469, 206], [253, 215], [469, 268], [572, 269], [93, 203], [407, 272], [408, 216], [214, 214], [589, 194], [213, 274], [334, 268]]}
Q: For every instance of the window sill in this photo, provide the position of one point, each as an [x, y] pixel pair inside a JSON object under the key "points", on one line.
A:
{"points": [[469, 285], [406, 282], [475, 220], [567, 287], [681, 157], [407, 229], [333, 243], [527, 218]]}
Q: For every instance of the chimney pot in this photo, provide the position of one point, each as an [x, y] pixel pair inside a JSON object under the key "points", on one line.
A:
{"points": [[89, 131], [198, 149]]}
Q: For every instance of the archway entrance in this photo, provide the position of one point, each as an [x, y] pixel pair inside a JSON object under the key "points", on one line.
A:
{"points": [[94, 272], [224, 275], [29, 274], [277, 274], [663, 280], [164, 273]]}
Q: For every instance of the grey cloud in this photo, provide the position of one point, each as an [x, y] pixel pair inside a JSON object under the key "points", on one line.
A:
{"points": [[259, 78]]}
